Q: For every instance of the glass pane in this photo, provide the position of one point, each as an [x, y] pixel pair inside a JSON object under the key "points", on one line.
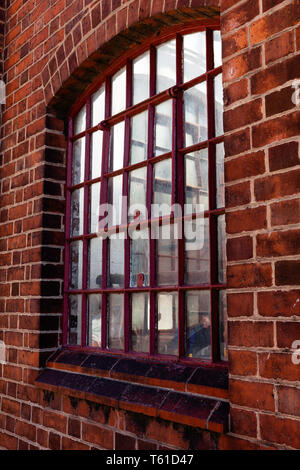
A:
{"points": [[218, 105], [96, 154], [116, 146], [197, 266], [198, 324], [77, 210], [167, 256], [220, 174], [222, 248], [116, 261], [166, 66], [140, 322], [98, 106], [217, 49], [223, 324], [139, 259], [163, 128], [137, 193], [162, 187], [115, 321], [119, 91], [141, 67], [115, 199], [194, 47], [75, 319], [95, 263], [195, 112], [80, 121], [167, 323], [94, 320], [75, 281], [196, 181], [139, 137], [78, 161], [94, 207]]}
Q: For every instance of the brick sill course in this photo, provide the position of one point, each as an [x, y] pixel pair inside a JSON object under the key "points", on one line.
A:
{"points": [[186, 394]]}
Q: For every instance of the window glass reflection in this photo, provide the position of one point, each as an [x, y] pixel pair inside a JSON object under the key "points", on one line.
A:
{"points": [[167, 323], [95, 263], [196, 181], [198, 324], [115, 312], [94, 320], [140, 322], [75, 319], [75, 281], [118, 91], [139, 260], [77, 211], [194, 50], [78, 161], [166, 65], [139, 138], [195, 114], [163, 128], [116, 261], [141, 73], [197, 252]]}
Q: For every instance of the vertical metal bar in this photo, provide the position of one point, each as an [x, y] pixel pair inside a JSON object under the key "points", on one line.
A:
{"points": [[179, 185], [67, 244], [152, 243], [103, 199], [127, 312], [86, 225], [215, 347]]}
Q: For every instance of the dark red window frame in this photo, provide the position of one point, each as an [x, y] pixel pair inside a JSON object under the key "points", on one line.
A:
{"points": [[178, 150]]}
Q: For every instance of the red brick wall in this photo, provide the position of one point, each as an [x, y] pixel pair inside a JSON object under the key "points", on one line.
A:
{"points": [[261, 62], [52, 51]]}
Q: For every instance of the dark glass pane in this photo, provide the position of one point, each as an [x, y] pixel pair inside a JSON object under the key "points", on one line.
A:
{"points": [[195, 114], [198, 324], [139, 259], [77, 211], [223, 324], [75, 319], [222, 248], [167, 323], [76, 265], [94, 320], [196, 181], [116, 261], [139, 138], [78, 161], [166, 65], [115, 321], [140, 322], [95, 263], [194, 50], [163, 128], [197, 266], [141, 74]]}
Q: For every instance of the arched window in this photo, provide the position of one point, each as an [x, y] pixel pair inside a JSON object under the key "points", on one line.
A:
{"points": [[145, 205]]}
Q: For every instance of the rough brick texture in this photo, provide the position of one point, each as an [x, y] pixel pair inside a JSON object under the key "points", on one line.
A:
{"points": [[51, 52], [263, 248]]}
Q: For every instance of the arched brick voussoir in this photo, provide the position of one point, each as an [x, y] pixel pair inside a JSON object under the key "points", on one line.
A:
{"points": [[66, 75]]}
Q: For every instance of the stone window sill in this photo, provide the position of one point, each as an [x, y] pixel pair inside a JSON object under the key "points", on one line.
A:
{"points": [[186, 394]]}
